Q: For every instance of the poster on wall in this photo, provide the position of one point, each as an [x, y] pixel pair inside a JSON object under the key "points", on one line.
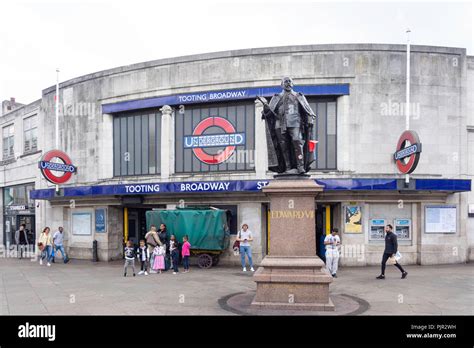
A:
{"points": [[81, 224], [353, 219], [440, 219], [100, 220]]}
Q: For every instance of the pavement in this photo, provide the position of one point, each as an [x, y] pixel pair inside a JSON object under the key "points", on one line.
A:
{"points": [[87, 288]]}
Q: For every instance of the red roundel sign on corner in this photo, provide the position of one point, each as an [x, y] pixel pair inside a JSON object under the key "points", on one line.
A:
{"points": [[227, 140], [408, 152], [55, 162]]}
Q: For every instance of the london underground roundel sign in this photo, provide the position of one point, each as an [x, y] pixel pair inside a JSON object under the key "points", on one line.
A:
{"points": [[408, 152], [54, 163], [226, 139]]}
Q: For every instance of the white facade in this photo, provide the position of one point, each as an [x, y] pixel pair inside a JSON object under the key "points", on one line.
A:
{"points": [[369, 121]]}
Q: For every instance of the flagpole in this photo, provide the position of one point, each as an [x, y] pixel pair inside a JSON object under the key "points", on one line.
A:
{"points": [[407, 94], [57, 115]]}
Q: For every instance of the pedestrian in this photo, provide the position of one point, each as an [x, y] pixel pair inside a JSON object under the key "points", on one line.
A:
{"points": [[21, 240], [58, 238], [159, 258], [45, 243], [144, 256], [152, 240], [129, 258], [245, 237], [186, 252], [174, 252], [332, 242], [163, 234], [391, 248]]}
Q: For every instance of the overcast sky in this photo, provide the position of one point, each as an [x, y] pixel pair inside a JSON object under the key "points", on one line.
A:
{"points": [[82, 37]]}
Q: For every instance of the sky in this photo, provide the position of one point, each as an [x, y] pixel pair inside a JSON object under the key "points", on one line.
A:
{"points": [[82, 37]]}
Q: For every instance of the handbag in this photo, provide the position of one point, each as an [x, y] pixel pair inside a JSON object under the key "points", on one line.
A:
{"points": [[398, 256], [392, 260], [236, 246]]}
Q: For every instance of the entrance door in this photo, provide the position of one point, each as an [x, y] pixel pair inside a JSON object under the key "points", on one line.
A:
{"points": [[29, 221], [133, 227], [324, 224]]}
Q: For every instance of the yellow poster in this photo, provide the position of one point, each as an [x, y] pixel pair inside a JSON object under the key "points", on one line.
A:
{"points": [[353, 219]]}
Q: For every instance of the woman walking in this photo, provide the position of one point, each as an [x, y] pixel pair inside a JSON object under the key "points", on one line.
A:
{"points": [[45, 244]]}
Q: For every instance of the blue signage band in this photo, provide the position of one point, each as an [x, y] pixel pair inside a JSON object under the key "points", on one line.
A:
{"points": [[448, 185], [220, 96]]}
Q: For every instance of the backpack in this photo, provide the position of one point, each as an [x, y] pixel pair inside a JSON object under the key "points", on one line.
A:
{"points": [[150, 240]]}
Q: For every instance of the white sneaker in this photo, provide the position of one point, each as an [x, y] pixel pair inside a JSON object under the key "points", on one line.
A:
{"points": [[141, 272], [251, 268], [153, 272], [175, 272], [41, 262], [244, 269], [48, 264], [146, 273]]}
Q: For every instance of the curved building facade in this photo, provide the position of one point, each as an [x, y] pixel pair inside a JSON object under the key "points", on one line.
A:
{"points": [[188, 131]]}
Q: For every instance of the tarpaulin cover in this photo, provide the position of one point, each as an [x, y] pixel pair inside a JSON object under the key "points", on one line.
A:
{"points": [[206, 228]]}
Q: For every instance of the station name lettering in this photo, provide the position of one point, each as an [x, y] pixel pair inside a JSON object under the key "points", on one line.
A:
{"points": [[205, 186], [212, 96], [142, 188]]}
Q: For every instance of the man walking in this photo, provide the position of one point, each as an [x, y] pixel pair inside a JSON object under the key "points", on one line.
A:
{"points": [[21, 240], [58, 237], [332, 241], [391, 247]]}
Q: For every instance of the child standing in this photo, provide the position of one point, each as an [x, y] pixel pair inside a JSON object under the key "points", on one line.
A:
{"points": [[159, 258], [186, 252], [174, 251], [129, 258], [143, 255]]}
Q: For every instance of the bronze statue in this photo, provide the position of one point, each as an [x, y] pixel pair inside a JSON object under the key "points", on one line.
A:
{"points": [[289, 128]]}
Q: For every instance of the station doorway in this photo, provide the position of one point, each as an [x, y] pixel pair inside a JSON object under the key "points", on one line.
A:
{"points": [[135, 223], [324, 224]]}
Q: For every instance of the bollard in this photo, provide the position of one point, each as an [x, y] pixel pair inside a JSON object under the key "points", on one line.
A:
{"points": [[95, 257]]}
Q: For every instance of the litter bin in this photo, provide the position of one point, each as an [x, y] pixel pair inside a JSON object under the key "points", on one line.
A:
{"points": [[95, 257]]}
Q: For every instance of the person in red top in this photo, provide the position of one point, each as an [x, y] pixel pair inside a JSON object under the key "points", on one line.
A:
{"points": [[186, 252]]}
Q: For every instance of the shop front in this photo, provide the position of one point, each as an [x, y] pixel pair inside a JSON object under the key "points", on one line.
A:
{"points": [[18, 209]]}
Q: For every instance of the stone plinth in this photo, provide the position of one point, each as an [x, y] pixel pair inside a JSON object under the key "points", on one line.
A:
{"points": [[291, 275]]}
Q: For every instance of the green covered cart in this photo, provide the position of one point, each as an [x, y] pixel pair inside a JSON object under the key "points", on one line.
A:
{"points": [[207, 229]]}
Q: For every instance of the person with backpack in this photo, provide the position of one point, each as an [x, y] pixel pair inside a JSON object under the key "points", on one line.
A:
{"points": [[244, 238], [152, 240], [391, 248]]}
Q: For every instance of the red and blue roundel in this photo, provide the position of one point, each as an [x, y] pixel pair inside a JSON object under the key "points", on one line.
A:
{"points": [[226, 138], [408, 152], [48, 168]]}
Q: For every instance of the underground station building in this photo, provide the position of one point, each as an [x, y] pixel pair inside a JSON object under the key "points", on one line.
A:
{"points": [[188, 131]]}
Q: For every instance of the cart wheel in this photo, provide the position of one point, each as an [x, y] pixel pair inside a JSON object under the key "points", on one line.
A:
{"points": [[215, 260], [204, 261]]}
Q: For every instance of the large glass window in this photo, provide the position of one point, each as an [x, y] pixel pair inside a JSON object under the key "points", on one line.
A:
{"points": [[325, 132], [215, 138], [137, 143], [30, 143], [8, 141]]}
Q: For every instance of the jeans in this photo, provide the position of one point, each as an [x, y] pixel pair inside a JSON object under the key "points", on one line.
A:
{"points": [[61, 249], [384, 261], [144, 265], [246, 250], [175, 259], [46, 253], [186, 262], [21, 249]]}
